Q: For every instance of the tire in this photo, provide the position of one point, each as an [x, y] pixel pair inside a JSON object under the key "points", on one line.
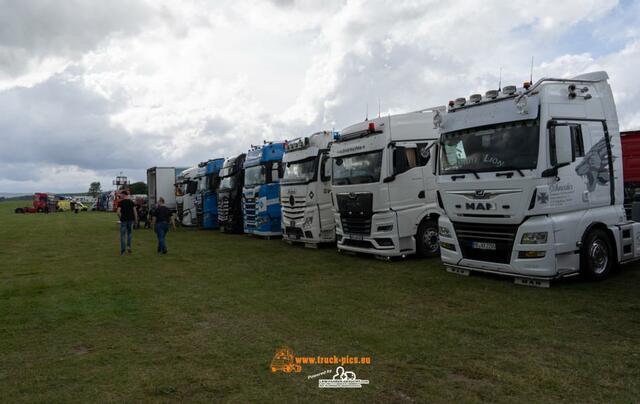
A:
{"points": [[40, 210], [427, 244], [19, 210], [597, 258]]}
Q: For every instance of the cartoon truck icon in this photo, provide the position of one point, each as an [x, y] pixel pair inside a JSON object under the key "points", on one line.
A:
{"points": [[283, 361]]}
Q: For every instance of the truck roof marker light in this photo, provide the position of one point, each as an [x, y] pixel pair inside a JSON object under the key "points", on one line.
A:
{"points": [[526, 85], [372, 127], [491, 94], [509, 90], [451, 104], [460, 102], [475, 98]]}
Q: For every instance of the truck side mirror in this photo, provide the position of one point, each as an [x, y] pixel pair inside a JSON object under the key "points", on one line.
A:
{"points": [[325, 169], [561, 145]]}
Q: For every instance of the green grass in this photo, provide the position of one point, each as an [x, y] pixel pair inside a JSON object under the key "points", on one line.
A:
{"points": [[80, 323]]}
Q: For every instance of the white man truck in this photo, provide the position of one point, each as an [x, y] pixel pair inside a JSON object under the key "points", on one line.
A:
{"points": [[305, 191], [531, 182], [383, 186]]}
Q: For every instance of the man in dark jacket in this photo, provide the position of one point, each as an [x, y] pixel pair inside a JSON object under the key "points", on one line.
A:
{"points": [[128, 216]]}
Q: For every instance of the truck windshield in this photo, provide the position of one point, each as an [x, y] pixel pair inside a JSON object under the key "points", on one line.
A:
{"points": [[509, 146], [300, 171], [254, 176], [357, 168], [228, 182]]}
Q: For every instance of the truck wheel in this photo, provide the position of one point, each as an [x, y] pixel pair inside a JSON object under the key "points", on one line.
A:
{"points": [[40, 210], [427, 239], [19, 210], [596, 257]]}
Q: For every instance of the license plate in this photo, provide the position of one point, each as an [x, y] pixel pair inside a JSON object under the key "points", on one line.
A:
{"points": [[355, 236], [481, 245]]}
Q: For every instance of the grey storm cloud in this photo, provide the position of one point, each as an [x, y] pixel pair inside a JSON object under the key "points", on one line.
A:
{"points": [[31, 30], [60, 122]]}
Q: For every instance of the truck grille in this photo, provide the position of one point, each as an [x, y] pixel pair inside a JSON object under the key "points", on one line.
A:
{"points": [[500, 235], [223, 209], [250, 212], [293, 211], [356, 210]]}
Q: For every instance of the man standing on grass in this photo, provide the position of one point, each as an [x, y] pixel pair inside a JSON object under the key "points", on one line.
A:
{"points": [[128, 216], [161, 216]]}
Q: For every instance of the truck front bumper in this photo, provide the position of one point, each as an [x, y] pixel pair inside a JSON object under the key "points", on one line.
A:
{"points": [[542, 265], [383, 240]]}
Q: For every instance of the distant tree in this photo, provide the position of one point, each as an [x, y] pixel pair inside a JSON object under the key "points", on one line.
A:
{"points": [[138, 188], [94, 189]]}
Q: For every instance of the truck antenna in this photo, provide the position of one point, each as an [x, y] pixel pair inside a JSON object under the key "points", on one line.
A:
{"points": [[531, 72], [366, 113], [378, 107], [500, 80]]}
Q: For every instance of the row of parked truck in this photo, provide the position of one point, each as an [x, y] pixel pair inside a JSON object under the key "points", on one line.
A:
{"points": [[526, 182]]}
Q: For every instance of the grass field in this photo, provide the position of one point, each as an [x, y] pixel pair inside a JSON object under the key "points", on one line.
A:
{"points": [[80, 323]]}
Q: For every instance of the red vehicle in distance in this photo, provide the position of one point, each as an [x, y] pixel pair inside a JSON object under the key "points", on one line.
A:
{"points": [[42, 203]]}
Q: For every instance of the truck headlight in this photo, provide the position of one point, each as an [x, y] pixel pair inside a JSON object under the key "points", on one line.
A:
{"points": [[534, 238], [308, 221], [444, 231]]}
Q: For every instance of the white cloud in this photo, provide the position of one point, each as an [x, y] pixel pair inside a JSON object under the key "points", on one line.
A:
{"points": [[194, 80]]}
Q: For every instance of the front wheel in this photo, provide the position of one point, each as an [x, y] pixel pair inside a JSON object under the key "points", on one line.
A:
{"points": [[19, 210], [427, 242], [596, 256]]}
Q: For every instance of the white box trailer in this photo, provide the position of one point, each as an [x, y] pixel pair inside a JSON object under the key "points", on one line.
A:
{"points": [[161, 183]]}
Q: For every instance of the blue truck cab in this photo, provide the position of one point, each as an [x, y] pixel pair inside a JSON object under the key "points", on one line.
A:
{"points": [[261, 192], [209, 195]]}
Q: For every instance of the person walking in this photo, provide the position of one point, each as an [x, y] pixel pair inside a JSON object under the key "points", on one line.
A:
{"points": [[128, 216], [161, 217]]}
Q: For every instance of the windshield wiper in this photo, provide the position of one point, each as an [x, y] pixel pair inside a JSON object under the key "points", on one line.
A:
{"points": [[509, 174]]}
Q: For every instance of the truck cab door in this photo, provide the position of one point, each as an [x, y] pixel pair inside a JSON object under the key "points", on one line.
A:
{"points": [[406, 185], [594, 169], [567, 192]]}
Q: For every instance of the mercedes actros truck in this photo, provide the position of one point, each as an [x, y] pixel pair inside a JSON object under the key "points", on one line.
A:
{"points": [[531, 182], [208, 200], [261, 193], [305, 191], [187, 188], [230, 195], [383, 186]]}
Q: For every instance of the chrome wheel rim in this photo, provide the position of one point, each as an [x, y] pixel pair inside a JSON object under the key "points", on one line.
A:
{"points": [[430, 240], [599, 256]]}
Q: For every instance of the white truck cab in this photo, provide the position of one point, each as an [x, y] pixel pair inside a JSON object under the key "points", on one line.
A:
{"points": [[383, 186], [305, 191], [531, 182], [187, 184]]}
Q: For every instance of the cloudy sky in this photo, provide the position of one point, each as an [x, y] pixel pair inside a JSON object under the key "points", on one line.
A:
{"points": [[92, 88]]}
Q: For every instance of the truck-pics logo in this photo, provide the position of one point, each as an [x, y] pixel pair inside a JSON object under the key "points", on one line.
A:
{"points": [[284, 361]]}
